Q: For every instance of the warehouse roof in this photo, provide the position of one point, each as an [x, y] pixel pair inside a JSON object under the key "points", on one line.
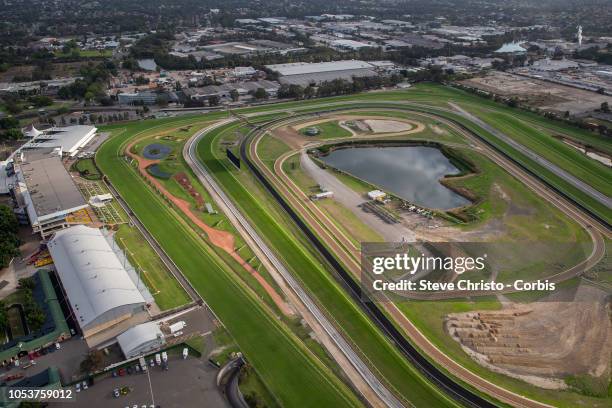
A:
{"points": [[319, 77], [134, 337], [47, 188], [299, 68], [91, 273]]}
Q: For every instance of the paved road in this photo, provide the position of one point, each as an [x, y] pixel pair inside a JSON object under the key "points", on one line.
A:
{"points": [[382, 394], [351, 200], [579, 184]]}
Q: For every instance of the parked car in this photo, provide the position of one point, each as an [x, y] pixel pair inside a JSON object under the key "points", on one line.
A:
{"points": [[116, 393], [78, 387], [85, 386]]}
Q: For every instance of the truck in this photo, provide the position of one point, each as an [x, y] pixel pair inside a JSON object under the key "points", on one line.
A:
{"points": [[322, 195], [178, 326]]}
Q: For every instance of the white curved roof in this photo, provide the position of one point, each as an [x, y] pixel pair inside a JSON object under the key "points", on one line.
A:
{"points": [[91, 273], [135, 337], [31, 131], [511, 48]]}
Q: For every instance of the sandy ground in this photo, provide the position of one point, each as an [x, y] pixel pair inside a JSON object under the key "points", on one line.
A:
{"points": [[387, 126], [567, 333], [543, 94]]}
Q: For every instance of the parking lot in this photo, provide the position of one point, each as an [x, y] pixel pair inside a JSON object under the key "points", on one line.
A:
{"points": [[187, 383]]}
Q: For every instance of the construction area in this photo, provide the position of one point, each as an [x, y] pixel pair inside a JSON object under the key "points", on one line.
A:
{"points": [[541, 342], [542, 94]]}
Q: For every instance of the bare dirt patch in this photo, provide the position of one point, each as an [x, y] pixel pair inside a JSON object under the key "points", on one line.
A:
{"points": [[543, 94], [387, 126], [542, 342]]}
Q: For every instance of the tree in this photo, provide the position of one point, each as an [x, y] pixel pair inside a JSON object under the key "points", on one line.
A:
{"points": [[9, 242], [309, 92], [605, 107], [161, 101], [234, 95], [12, 134], [213, 100], [26, 283], [3, 316], [92, 362], [260, 93]]}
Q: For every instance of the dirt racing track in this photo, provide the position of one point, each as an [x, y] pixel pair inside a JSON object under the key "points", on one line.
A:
{"points": [[342, 253]]}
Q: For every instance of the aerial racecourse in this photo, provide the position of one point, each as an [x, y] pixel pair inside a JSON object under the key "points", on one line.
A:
{"points": [[424, 247]]}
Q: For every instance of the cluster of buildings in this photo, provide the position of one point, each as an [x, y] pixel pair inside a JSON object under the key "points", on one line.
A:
{"points": [[197, 46], [45, 193], [587, 75], [105, 294]]}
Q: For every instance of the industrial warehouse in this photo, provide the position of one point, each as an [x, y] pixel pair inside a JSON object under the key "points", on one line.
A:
{"points": [[104, 298], [305, 74]]}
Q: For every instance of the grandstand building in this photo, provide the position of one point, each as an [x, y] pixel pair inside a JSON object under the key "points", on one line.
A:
{"points": [[68, 139], [45, 192], [104, 298]]}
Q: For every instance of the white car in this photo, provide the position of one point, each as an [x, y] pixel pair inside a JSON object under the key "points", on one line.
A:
{"points": [[78, 387], [85, 385]]}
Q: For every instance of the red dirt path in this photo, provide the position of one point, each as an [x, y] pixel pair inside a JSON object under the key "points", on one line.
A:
{"points": [[218, 238]]}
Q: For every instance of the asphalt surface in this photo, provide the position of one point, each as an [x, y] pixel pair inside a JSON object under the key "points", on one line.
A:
{"points": [[187, 383], [223, 201]]}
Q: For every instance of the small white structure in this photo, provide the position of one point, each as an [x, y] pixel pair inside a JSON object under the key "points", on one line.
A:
{"points": [[100, 200], [176, 327], [377, 195], [325, 194], [141, 339], [30, 131]]}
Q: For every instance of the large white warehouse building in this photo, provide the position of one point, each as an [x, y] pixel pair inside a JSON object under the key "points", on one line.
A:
{"points": [[100, 291], [304, 73]]}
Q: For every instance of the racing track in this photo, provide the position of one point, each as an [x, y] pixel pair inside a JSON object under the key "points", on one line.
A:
{"points": [[382, 396], [430, 370], [335, 234]]}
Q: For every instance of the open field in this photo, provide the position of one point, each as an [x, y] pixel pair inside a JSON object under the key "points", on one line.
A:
{"points": [[539, 93], [327, 129], [87, 169], [166, 290], [271, 348]]}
